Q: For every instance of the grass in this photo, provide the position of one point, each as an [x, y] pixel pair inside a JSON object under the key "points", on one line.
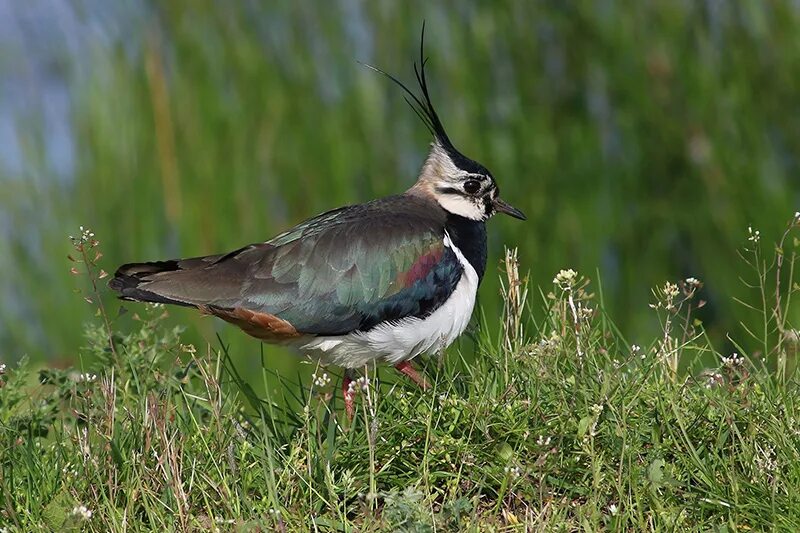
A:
{"points": [[562, 424]]}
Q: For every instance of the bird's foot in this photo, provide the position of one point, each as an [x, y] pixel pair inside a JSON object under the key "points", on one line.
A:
{"points": [[406, 368]]}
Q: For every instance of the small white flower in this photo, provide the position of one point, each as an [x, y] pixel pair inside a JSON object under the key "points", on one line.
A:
{"points": [[363, 383], [765, 459], [513, 471], [692, 282], [671, 290], [321, 381], [753, 235], [82, 512], [3, 368], [86, 378], [543, 441], [713, 379], [797, 216], [565, 278], [85, 236], [613, 509], [733, 361]]}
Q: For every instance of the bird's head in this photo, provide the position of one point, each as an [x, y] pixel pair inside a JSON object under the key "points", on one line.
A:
{"points": [[459, 184]]}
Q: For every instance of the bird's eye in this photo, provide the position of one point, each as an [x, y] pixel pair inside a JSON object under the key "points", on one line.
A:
{"points": [[472, 186]]}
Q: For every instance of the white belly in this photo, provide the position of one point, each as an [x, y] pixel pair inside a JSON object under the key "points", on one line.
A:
{"points": [[406, 338]]}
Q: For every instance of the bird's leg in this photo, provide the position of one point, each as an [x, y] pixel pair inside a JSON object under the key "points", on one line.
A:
{"points": [[406, 368], [348, 391]]}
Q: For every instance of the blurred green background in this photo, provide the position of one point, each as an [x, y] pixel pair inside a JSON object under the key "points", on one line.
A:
{"points": [[640, 138]]}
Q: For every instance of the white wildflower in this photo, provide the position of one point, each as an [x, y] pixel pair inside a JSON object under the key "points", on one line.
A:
{"points": [[85, 236], [361, 383], [321, 381], [82, 512], [565, 278], [637, 350], [188, 348], [712, 379], [765, 460], [671, 290], [543, 441], [513, 471], [733, 361], [86, 378], [613, 509], [3, 368], [692, 282], [753, 235], [666, 296]]}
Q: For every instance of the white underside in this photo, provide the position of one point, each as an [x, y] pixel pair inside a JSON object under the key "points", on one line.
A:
{"points": [[404, 339]]}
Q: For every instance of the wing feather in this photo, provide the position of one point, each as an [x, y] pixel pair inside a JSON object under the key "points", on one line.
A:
{"points": [[345, 270]]}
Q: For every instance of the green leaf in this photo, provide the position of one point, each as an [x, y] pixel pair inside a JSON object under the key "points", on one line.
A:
{"points": [[116, 454], [583, 426], [655, 472], [56, 512], [505, 452]]}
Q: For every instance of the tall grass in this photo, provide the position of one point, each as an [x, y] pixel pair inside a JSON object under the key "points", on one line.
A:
{"points": [[560, 424]]}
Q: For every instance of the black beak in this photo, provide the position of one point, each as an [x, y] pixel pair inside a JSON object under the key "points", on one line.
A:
{"points": [[502, 207]]}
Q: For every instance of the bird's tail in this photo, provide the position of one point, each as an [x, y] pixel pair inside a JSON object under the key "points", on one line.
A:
{"points": [[128, 281]]}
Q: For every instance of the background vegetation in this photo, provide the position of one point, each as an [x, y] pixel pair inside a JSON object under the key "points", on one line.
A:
{"points": [[641, 138]]}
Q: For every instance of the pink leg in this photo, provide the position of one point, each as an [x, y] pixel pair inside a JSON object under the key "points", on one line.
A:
{"points": [[406, 368], [348, 393]]}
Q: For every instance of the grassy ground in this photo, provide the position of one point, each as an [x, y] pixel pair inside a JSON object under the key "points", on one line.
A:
{"points": [[559, 425]]}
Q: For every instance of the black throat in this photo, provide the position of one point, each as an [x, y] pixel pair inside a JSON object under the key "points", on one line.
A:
{"points": [[469, 236]]}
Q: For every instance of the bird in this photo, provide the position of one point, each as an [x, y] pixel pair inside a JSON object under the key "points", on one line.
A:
{"points": [[384, 281]]}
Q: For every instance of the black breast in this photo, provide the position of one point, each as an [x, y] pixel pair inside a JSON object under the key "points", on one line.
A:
{"points": [[469, 236]]}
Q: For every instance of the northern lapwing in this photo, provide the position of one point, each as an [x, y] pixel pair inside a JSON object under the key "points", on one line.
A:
{"points": [[386, 280]]}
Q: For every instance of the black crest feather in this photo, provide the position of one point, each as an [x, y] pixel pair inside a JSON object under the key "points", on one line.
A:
{"points": [[421, 105]]}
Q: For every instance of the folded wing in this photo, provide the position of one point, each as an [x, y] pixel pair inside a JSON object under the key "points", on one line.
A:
{"points": [[343, 271]]}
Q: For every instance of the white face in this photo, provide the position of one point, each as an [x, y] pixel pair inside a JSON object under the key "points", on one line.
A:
{"points": [[467, 206], [459, 192]]}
